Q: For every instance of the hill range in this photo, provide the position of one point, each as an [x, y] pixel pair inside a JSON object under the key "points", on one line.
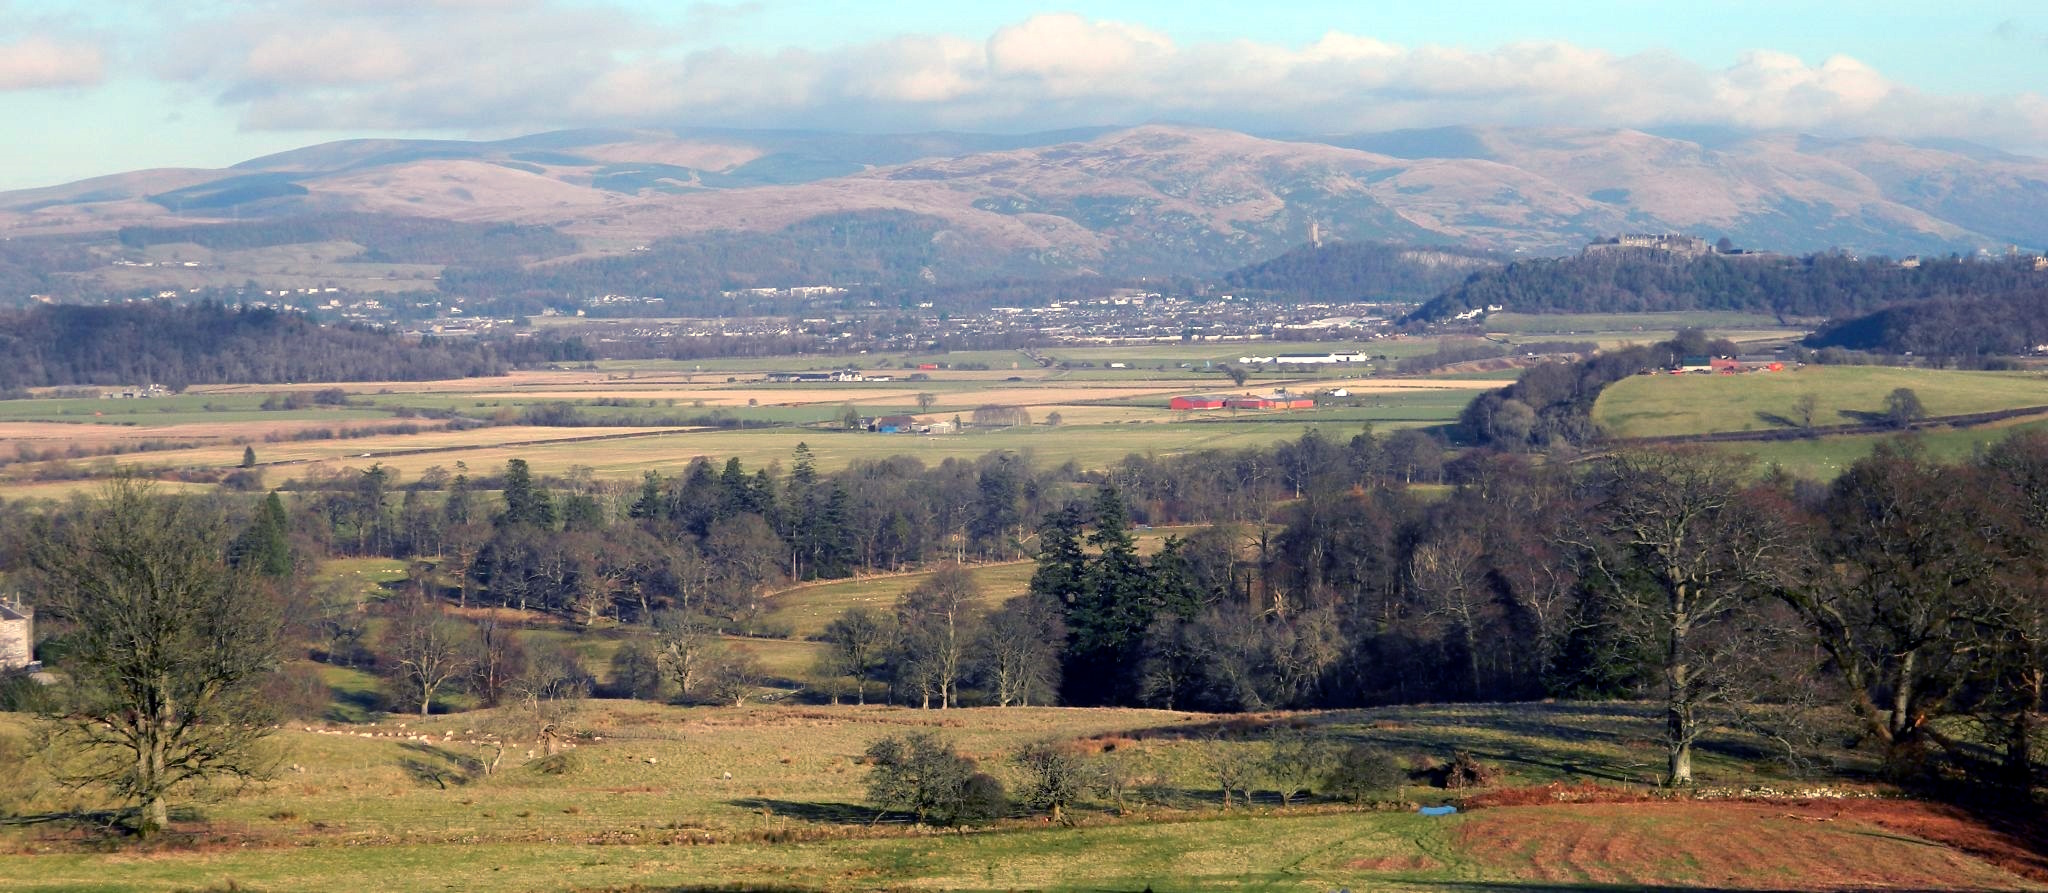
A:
{"points": [[1139, 201]]}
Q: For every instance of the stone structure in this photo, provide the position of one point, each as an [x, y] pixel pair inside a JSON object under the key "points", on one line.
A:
{"points": [[17, 634]]}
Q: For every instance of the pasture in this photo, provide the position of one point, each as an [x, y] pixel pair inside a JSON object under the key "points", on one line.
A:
{"points": [[772, 797], [1667, 405]]}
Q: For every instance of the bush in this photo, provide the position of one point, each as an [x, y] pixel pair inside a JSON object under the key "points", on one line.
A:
{"points": [[1363, 771], [920, 773], [21, 693], [296, 691]]}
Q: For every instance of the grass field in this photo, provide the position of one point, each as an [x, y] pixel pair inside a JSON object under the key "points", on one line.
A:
{"points": [[1824, 458], [1665, 405], [771, 797]]}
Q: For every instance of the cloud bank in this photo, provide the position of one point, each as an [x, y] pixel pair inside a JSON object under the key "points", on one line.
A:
{"points": [[38, 62], [504, 65]]}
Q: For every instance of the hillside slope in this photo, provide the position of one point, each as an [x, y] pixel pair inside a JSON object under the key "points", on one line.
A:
{"points": [[1139, 201]]}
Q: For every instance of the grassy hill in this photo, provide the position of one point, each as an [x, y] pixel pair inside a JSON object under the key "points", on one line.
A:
{"points": [[654, 797], [1669, 405]]}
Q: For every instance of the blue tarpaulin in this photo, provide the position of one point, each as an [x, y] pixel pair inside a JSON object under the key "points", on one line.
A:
{"points": [[1438, 810]]}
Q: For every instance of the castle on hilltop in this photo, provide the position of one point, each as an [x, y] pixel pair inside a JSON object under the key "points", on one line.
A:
{"points": [[1676, 243]]}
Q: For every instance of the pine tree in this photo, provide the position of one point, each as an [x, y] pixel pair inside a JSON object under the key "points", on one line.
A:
{"points": [[524, 502], [248, 457], [265, 545]]}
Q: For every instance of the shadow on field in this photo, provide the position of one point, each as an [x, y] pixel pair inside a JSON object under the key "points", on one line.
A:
{"points": [[820, 813], [433, 765]]}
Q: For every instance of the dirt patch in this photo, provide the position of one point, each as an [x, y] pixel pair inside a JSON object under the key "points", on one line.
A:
{"points": [[1808, 846], [1557, 792], [1394, 863]]}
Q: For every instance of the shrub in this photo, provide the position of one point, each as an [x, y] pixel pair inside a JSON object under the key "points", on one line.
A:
{"points": [[1362, 771]]}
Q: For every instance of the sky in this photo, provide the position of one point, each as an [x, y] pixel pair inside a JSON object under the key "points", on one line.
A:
{"points": [[92, 88]]}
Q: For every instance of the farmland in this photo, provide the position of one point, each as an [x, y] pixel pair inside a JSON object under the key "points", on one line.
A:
{"points": [[623, 421], [1667, 405]]}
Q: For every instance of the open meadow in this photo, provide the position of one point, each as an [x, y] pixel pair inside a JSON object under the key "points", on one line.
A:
{"points": [[1669, 405], [655, 798]]}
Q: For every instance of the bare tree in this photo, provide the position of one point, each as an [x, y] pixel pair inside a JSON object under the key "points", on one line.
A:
{"points": [[1054, 778], [168, 649], [683, 642], [857, 645], [937, 619], [428, 648], [1447, 573], [925, 401], [734, 673], [1685, 550], [1017, 655], [1298, 761]]}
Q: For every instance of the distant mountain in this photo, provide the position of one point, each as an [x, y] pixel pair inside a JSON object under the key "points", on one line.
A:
{"points": [[1149, 200]]}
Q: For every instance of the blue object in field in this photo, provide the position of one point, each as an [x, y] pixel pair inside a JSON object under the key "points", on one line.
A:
{"points": [[1438, 810]]}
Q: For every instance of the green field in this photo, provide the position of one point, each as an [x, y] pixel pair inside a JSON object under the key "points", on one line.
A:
{"points": [[1823, 459], [1667, 405]]}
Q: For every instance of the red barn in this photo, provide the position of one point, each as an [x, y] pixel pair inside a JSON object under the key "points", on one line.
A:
{"points": [[1196, 401]]}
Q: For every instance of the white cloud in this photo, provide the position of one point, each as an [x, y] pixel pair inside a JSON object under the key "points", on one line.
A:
{"points": [[534, 64], [37, 62]]}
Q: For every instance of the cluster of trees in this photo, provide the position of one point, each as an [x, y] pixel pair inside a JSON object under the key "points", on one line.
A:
{"points": [[1350, 271], [1969, 331], [1551, 404], [1906, 594], [209, 343], [1825, 285], [923, 775]]}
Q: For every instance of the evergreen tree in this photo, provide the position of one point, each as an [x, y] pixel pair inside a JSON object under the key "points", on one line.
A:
{"points": [[524, 502], [265, 546], [458, 509], [248, 457]]}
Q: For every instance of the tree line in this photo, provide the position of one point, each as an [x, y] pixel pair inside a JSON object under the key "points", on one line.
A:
{"points": [[1906, 593], [1824, 285], [1963, 330], [210, 343]]}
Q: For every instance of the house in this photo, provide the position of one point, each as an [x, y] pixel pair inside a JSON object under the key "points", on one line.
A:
{"points": [[17, 634]]}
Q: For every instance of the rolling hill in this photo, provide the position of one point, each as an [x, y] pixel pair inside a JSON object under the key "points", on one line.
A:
{"points": [[1148, 200]]}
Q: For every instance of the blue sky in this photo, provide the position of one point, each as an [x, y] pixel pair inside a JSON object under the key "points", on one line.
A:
{"points": [[94, 88]]}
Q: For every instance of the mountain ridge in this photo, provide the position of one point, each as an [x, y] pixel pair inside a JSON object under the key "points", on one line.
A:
{"points": [[1125, 201]]}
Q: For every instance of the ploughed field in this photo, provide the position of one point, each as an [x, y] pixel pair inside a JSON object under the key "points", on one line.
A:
{"points": [[658, 797]]}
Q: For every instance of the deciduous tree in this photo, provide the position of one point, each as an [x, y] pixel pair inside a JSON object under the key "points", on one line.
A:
{"points": [[168, 650]]}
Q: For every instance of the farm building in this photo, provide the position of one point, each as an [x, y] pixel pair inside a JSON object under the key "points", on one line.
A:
{"points": [[1736, 365], [17, 634], [1280, 400], [1277, 401], [895, 424]]}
